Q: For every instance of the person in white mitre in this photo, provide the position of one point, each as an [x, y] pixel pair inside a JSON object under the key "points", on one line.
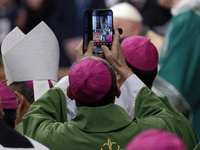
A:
{"points": [[31, 63]]}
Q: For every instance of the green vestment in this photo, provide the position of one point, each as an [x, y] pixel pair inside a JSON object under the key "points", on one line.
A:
{"points": [[180, 58], [101, 127], [197, 147]]}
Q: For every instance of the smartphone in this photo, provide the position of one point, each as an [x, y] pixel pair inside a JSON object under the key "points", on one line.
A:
{"points": [[98, 26]]}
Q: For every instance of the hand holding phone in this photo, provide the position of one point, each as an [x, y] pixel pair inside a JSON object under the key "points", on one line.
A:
{"points": [[115, 57], [98, 27]]}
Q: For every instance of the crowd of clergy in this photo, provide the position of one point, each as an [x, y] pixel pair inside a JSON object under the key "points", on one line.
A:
{"points": [[142, 94]]}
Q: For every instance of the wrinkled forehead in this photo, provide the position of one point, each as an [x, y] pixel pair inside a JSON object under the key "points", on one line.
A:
{"points": [[120, 21], [167, 3]]}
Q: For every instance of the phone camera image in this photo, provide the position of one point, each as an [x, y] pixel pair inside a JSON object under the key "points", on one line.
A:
{"points": [[98, 27], [102, 29]]}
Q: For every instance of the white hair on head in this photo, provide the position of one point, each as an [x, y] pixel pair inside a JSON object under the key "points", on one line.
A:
{"points": [[126, 11]]}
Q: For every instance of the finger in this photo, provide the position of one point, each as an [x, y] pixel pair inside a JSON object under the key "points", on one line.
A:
{"points": [[90, 48], [116, 30], [79, 48], [116, 36], [79, 51], [106, 51]]}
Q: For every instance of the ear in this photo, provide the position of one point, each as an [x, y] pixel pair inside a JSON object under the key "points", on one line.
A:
{"points": [[69, 93], [21, 100], [117, 92]]}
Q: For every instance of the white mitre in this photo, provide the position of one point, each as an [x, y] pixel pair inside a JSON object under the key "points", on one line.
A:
{"points": [[126, 11], [31, 57]]}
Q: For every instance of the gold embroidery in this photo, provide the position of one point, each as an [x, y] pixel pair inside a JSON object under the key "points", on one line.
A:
{"points": [[110, 145]]}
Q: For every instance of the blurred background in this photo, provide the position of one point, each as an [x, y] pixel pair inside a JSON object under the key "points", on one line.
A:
{"points": [[65, 18]]}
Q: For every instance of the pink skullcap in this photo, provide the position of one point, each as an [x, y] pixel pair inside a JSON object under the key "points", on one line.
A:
{"points": [[140, 53], [156, 140], [109, 38], [8, 98], [89, 80], [30, 84]]}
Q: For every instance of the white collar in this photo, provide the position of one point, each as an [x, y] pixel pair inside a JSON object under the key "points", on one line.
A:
{"points": [[183, 6]]}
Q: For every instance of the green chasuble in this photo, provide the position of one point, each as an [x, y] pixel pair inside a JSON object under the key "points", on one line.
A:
{"points": [[99, 128], [179, 61], [197, 147]]}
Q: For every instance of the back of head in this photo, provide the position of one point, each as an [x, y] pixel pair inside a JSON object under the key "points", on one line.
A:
{"points": [[92, 82], [156, 140], [24, 89], [142, 57]]}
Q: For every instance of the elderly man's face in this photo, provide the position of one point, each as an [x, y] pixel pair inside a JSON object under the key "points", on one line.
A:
{"points": [[130, 28]]}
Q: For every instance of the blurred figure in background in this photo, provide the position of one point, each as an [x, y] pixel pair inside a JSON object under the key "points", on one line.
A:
{"points": [[180, 54], [8, 12], [68, 26], [32, 12], [128, 18], [154, 16]]}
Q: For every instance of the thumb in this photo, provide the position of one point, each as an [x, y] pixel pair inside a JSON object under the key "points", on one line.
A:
{"points": [[79, 47], [105, 50], [79, 51], [90, 48]]}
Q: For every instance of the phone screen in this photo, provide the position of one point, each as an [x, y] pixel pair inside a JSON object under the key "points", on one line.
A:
{"points": [[98, 26]]}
